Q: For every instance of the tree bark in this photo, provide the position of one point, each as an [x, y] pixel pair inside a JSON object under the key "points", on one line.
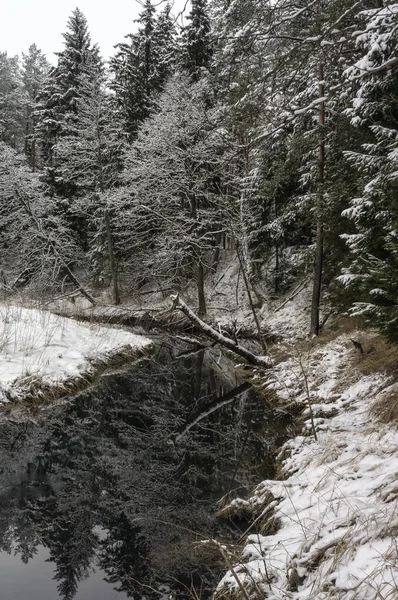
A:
{"points": [[216, 254], [249, 295], [33, 156], [201, 290], [259, 361], [318, 270], [111, 256]]}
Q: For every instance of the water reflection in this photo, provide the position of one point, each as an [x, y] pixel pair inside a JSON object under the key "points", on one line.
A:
{"points": [[96, 484]]}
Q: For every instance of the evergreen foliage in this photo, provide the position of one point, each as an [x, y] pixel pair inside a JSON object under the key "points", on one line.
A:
{"points": [[91, 159], [372, 273], [12, 102], [142, 65], [57, 104], [34, 71], [196, 40]]}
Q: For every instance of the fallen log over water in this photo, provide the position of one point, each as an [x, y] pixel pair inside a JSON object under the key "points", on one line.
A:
{"points": [[258, 361]]}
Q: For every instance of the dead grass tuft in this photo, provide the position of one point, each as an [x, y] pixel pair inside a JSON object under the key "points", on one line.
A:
{"points": [[385, 407], [380, 356], [235, 510], [270, 525], [253, 590], [336, 326]]}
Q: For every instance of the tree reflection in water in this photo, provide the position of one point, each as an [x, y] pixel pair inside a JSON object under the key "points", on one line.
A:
{"points": [[125, 478]]}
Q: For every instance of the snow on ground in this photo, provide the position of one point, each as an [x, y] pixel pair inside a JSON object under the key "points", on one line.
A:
{"points": [[53, 348], [289, 317], [337, 503], [285, 317]]}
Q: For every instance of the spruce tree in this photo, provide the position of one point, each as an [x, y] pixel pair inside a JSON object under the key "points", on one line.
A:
{"points": [[91, 157], [142, 65], [371, 277], [12, 102], [132, 69], [164, 48], [196, 40], [280, 68], [57, 106], [34, 71]]}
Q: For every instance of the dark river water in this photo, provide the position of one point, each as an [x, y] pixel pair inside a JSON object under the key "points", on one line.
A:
{"points": [[106, 496]]}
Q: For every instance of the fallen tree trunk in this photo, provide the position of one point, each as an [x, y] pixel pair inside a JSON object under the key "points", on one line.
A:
{"points": [[258, 361]]}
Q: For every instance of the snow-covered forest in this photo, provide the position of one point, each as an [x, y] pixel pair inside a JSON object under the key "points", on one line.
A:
{"points": [[269, 127], [245, 166]]}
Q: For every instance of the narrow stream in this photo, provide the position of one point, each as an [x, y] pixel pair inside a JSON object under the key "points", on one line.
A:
{"points": [[106, 496]]}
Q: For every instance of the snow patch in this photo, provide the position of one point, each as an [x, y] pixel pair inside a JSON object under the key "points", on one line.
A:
{"points": [[53, 348]]}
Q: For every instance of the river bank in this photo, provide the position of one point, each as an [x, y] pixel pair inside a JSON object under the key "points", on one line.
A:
{"points": [[325, 527], [44, 356]]}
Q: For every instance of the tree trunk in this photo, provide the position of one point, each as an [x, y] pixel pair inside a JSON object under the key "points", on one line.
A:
{"points": [[201, 290], [277, 275], [33, 155], [318, 270], [316, 290], [198, 373], [111, 256], [216, 254], [249, 295], [260, 361]]}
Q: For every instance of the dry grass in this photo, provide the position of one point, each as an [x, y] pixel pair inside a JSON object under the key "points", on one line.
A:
{"points": [[235, 511], [246, 509], [385, 407], [380, 356], [269, 525], [335, 327], [253, 590]]}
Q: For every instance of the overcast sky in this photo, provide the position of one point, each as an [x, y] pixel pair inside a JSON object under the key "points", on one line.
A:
{"points": [[24, 22]]}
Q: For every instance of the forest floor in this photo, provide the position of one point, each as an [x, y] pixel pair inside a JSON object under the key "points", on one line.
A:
{"points": [[44, 356], [228, 307]]}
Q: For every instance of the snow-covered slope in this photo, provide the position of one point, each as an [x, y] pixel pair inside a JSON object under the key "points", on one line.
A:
{"points": [[52, 349], [332, 518]]}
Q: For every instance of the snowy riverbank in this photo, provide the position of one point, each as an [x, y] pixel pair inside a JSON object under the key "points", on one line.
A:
{"points": [[43, 354], [327, 528]]}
